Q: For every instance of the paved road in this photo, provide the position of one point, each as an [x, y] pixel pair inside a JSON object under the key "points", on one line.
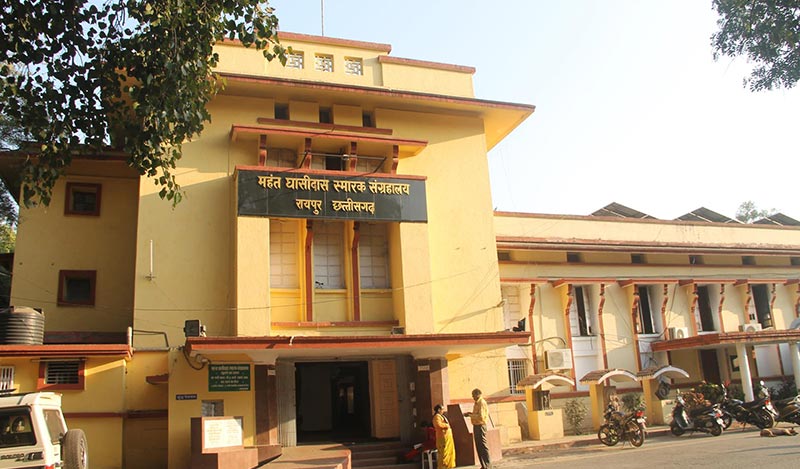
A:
{"points": [[732, 449]]}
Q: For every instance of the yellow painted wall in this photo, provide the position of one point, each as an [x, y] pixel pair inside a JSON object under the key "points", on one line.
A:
{"points": [[139, 394], [103, 243], [185, 380], [104, 439], [408, 77]]}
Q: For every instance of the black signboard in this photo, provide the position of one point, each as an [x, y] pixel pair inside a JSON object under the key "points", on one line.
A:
{"points": [[229, 377], [296, 194]]}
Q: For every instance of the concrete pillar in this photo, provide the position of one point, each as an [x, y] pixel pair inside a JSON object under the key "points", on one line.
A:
{"points": [[266, 412], [744, 369], [432, 387], [598, 402], [795, 353]]}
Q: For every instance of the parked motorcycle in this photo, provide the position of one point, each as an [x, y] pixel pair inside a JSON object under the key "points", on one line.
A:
{"points": [[706, 419], [758, 412], [788, 410], [619, 426]]}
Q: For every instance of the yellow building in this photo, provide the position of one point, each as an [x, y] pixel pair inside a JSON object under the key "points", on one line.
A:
{"points": [[327, 274], [622, 290]]}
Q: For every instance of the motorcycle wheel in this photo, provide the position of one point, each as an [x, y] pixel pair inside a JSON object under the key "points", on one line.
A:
{"points": [[727, 420], [635, 433], [764, 420], [608, 435], [716, 429], [676, 429]]}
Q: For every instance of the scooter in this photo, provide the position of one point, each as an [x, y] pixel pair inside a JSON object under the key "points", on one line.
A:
{"points": [[758, 412], [619, 426], [706, 419]]}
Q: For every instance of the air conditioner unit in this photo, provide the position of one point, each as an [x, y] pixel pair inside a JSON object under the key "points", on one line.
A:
{"points": [[677, 333], [753, 327], [559, 359]]}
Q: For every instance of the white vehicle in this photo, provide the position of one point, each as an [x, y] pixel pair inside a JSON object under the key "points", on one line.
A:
{"points": [[33, 434]]}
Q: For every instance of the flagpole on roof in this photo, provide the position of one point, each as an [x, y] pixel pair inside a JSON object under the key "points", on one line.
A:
{"points": [[322, 15]]}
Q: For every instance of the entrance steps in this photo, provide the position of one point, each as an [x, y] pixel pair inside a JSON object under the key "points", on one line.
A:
{"points": [[380, 455]]}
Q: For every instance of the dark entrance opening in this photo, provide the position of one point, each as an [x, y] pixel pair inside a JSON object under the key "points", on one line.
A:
{"points": [[710, 365], [332, 401]]}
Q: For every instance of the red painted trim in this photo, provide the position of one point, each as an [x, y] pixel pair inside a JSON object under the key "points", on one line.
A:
{"points": [[309, 271], [356, 274], [728, 338], [580, 281], [63, 275], [314, 325], [79, 386], [66, 350], [262, 150], [404, 95], [89, 187], [385, 59], [297, 37], [568, 329], [646, 281], [602, 326], [535, 361], [572, 244], [329, 135], [276, 169], [326, 127], [197, 344], [147, 414]]}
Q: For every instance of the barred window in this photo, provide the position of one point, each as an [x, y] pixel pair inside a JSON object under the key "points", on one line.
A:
{"points": [[67, 372], [283, 254], [6, 378], [373, 256], [517, 369], [329, 255], [295, 60], [353, 66], [323, 63]]}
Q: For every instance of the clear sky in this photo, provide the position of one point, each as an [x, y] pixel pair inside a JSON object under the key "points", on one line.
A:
{"points": [[630, 105]]}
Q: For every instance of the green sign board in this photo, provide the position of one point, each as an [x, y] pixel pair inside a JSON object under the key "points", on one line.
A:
{"points": [[228, 377]]}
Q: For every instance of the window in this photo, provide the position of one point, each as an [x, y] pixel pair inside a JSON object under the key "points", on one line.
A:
{"points": [[328, 255], [638, 259], [761, 301], [215, 408], [704, 305], [794, 260], [696, 260], [574, 257], [76, 287], [512, 311], [748, 260], [82, 199], [283, 271], [325, 115], [66, 374], [367, 120], [334, 163], [373, 256], [15, 430], [323, 63], [295, 59], [282, 111], [645, 312], [517, 369], [503, 256], [353, 66], [582, 314], [6, 378]]}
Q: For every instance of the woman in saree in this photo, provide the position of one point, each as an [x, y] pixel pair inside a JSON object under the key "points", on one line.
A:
{"points": [[444, 439]]}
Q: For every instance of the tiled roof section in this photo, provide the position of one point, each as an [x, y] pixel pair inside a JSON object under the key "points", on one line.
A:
{"points": [[778, 219], [618, 210], [706, 215]]}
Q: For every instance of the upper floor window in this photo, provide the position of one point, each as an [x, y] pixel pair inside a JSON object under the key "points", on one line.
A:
{"points": [[82, 199], [325, 115], [76, 287], [373, 256], [704, 309], [6, 378], [323, 63], [282, 111], [646, 323], [367, 119], [761, 304], [61, 374], [353, 66], [581, 313], [283, 254], [295, 59], [329, 255], [574, 257]]}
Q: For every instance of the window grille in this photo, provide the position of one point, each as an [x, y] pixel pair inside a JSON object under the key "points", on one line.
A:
{"points": [[6, 378], [329, 255], [283, 254], [62, 373], [295, 60], [323, 63], [353, 66], [373, 256], [517, 369]]}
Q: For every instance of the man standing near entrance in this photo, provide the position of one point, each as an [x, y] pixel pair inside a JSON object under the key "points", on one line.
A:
{"points": [[479, 417]]}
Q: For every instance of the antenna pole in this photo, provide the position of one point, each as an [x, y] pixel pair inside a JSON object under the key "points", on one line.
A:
{"points": [[322, 15]]}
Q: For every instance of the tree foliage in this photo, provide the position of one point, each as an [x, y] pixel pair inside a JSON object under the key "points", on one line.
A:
{"points": [[767, 32], [748, 212], [133, 74]]}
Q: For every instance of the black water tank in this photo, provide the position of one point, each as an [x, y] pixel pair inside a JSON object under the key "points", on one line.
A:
{"points": [[20, 325]]}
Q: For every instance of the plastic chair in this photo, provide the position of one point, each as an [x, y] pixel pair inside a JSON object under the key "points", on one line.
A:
{"points": [[430, 456]]}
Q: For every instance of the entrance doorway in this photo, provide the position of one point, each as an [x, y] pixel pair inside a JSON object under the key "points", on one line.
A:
{"points": [[333, 402], [710, 365]]}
